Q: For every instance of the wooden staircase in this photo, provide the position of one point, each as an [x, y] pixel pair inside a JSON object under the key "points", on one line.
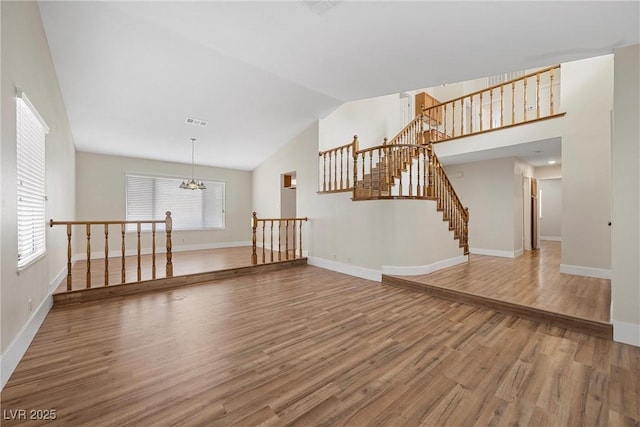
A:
{"points": [[387, 172]]}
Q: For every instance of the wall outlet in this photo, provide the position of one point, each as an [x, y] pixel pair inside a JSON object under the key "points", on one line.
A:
{"points": [[30, 301]]}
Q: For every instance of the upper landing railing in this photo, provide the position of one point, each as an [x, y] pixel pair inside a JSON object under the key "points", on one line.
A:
{"points": [[526, 99]]}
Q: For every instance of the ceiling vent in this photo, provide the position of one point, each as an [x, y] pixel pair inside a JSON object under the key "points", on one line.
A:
{"points": [[196, 122], [320, 6]]}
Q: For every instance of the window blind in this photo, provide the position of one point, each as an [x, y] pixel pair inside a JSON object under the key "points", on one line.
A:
{"points": [[30, 161], [149, 197]]}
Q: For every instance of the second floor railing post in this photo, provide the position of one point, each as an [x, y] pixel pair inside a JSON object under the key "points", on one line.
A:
{"points": [[254, 240], [168, 229]]}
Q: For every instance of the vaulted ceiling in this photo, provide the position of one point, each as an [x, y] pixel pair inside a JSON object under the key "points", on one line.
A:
{"points": [[260, 72]]}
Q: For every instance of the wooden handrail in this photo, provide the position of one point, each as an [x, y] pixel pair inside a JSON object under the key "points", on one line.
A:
{"points": [[168, 222], [295, 252]]}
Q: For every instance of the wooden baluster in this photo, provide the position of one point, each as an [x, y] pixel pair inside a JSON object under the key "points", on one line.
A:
{"points": [[293, 230], [491, 109], [453, 119], [370, 174], [68, 257], [524, 101], [254, 240], [472, 115], [88, 228], [153, 250], [380, 166], [481, 108], [501, 105], [169, 227], [330, 171], [286, 240], [341, 167], [537, 95], [348, 157], [279, 239], [418, 159], [138, 248], [410, 176], [335, 171], [324, 172], [264, 224], [425, 163], [355, 164], [513, 103], [444, 122], [106, 254], [551, 91], [461, 116], [123, 271], [431, 186], [300, 236], [363, 169], [271, 241]]}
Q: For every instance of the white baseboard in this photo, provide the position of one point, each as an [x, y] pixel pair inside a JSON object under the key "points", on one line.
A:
{"points": [[518, 252], [160, 250], [627, 333], [18, 347], [551, 238], [599, 273], [494, 252], [352, 270], [423, 269]]}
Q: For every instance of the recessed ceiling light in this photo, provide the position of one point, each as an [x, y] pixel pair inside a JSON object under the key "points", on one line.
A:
{"points": [[552, 162]]}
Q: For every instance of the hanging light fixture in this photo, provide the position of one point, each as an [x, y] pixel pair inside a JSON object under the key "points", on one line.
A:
{"points": [[192, 184]]}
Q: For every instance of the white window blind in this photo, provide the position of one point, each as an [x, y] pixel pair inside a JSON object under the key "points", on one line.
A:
{"points": [[30, 161], [149, 197]]}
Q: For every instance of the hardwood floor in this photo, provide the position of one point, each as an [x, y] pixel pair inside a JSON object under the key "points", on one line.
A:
{"points": [[306, 346], [532, 280]]}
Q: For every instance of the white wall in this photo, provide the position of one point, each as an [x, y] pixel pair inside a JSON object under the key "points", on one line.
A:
{"points": [[26, 63], [587, 96], [101, 195], [551, 220], [371, 119], [490, 190], [625, 283], [548, 172]]}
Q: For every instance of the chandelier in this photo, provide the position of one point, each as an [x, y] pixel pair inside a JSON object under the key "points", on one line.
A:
{"points": [[192, 184]]}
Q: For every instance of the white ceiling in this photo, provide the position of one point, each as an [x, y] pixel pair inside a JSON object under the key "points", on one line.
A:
{"points": [[260, 72]]}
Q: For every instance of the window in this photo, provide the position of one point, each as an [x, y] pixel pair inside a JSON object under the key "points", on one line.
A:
{"points": [[149, 197], [30, 162]]}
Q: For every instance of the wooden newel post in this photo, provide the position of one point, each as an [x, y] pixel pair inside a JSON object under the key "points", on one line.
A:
{"points": [[254, 226], [466, 227], [354, 151], [168, 228]]}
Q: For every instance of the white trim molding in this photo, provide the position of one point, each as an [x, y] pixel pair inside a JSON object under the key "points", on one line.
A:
{"points": [[423, 269], [551, 238], [627, 333], [577, 270], [18, 347], [350, 269], [495, 252]]}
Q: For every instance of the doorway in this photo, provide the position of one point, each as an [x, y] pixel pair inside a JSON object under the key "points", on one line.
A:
{"points": [[534, 213]]}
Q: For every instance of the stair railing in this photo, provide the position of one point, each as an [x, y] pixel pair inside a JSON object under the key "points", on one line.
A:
{"points": [[334, 167], [529, 98], [285, 245], [87, 225]]}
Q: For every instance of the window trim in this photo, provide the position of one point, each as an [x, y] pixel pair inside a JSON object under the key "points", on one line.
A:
{"points": [[33, 258], [165, 176]]}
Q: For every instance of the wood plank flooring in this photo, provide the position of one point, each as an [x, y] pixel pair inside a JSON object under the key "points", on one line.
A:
{"points": [[306, 346], [531, 280], [184, 263]]}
